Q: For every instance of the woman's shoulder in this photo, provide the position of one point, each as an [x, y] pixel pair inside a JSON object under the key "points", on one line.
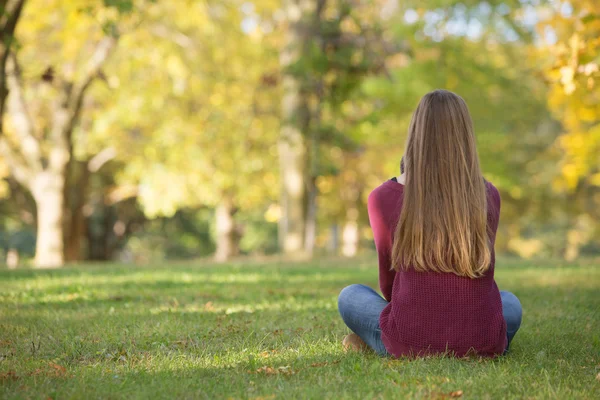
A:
{"points": [[389, 187], [385, 196], [492, 190], [493, 196]]}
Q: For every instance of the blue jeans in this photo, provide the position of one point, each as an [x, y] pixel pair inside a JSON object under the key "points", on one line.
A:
{"points": [[360, 307]]}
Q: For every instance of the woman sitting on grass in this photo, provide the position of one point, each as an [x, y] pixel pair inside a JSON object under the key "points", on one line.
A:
{"points": [[434, 228]]}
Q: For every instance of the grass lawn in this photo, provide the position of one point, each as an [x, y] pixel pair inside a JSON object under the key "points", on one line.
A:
{"points": [[271, 331]]}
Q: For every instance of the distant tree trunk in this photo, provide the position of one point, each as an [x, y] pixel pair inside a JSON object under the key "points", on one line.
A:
{"points": [[12, 258], [351, 195], [310, 232], [292, 155], [350, 234], [332, 247], [75, 200], [313, 173], [296, 117], [227, 234], [98, 232], [48, 195]]}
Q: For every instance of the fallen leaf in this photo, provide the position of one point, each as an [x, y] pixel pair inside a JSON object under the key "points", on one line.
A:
{"points": [[451, 395], [8, 376], [266, 370], [598, 376], [59, 370], [287, 370], [324, 363], [319, 364], [209, 306]]}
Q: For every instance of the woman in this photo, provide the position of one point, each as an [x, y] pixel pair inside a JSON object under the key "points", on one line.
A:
{"points": [[434, 228]]}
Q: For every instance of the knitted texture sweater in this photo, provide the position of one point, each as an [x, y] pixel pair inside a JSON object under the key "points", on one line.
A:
{"points": [[430, 312]]}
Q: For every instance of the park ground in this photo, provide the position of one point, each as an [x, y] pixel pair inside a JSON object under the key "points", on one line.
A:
{"points": [[271, 330]]}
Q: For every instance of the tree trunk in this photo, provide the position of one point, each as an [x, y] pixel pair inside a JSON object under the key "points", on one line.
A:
{"points": [[12, 258], [350, 195], [48, 195], [332, 246], [99, 232], [350, 234], [310, 228], [227, 234], [295, 127], [75, 221], [292, 154], [11, 12]]}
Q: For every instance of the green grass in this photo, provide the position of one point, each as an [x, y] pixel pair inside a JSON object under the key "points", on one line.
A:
{"points": [[270, 331]]}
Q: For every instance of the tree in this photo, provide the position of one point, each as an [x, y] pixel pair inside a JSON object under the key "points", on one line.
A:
{"points": [[44, 111], [330, 47], [204, 128], [573, 75]]}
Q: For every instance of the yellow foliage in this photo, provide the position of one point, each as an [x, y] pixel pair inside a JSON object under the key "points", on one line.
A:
{"points": [[525, 248], [573, 99]]}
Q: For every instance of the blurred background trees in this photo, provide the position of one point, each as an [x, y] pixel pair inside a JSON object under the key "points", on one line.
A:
{"points": [[143, 130]]}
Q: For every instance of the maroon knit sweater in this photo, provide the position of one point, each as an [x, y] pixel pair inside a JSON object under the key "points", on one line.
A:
{"points": [[433, 312]]}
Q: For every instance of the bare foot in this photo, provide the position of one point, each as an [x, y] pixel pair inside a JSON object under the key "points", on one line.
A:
{"points": [[353, 342]]}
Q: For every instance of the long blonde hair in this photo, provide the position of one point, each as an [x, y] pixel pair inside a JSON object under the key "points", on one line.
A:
{"points": [[443, 222]]}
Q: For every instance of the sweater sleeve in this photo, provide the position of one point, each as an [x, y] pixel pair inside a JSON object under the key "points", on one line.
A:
{"points": [[383, 243]]}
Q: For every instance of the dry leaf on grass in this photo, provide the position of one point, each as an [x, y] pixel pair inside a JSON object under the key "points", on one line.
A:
{"points": [[451, 395], [266, 370], [324, 363], [268, 353], [8, 376], [59, 369], [52, 370]]}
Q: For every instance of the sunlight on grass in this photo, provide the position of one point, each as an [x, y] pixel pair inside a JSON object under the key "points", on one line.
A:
{"points": [[582, 277], [262, 330], [290, 304]]}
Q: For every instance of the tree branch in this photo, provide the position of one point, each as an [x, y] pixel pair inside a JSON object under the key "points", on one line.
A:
{"points": [[68, 109], [21, 120], [19, 169], [10, 11], [179, 38], [101, 158], [77, 92]]}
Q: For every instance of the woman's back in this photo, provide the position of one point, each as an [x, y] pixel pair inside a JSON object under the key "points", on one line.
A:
{"points": [[432, 312], [435, 239]]}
